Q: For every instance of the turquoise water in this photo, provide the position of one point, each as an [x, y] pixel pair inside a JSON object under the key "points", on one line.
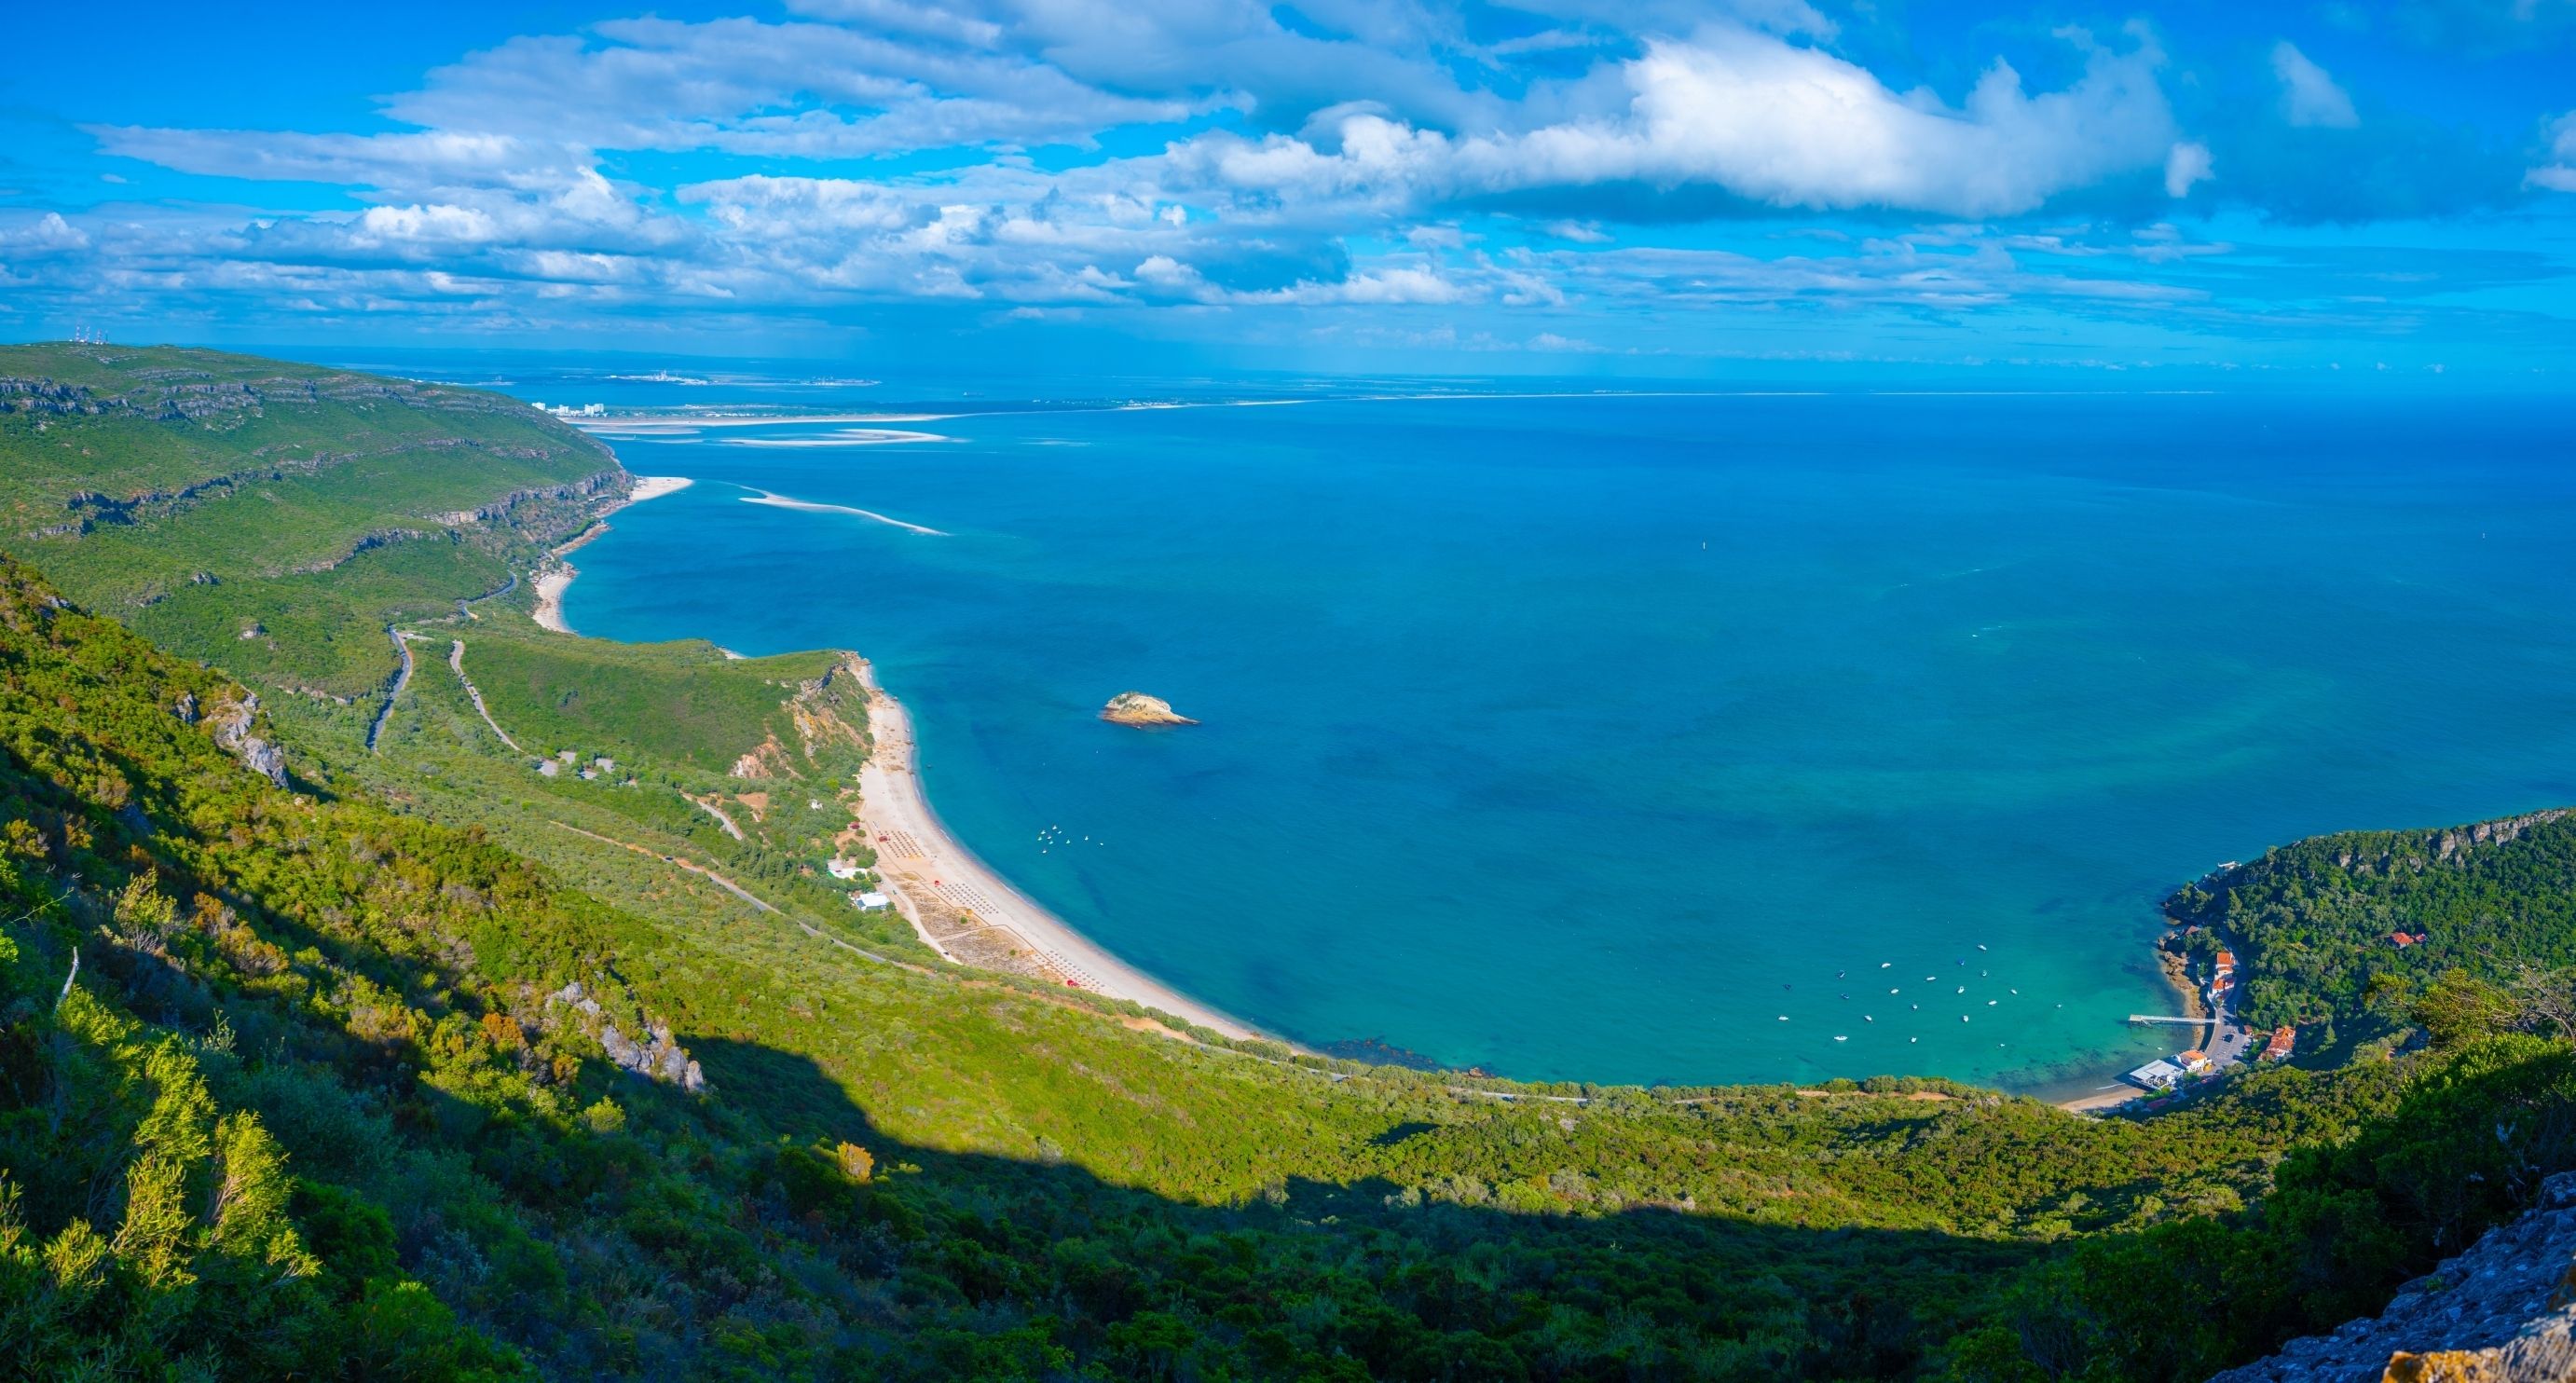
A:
{"points": [[1593, 737]]}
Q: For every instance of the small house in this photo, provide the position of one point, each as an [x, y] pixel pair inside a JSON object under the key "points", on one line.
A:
{"points": [[2194, 1061], [2284, 1038], [870, 901], [842, 869]]}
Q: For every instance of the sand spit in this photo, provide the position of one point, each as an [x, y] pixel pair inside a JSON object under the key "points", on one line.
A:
{"points": [[776, 501], [664, 422], [846, 437], [656, 486]]}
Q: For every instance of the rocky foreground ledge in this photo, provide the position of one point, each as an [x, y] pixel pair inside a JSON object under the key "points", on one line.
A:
{"points": [[1136, 708], [2502, 1312]]}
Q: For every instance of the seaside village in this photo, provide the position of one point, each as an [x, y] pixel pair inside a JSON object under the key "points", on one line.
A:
{"points": [[2228, 1043]]}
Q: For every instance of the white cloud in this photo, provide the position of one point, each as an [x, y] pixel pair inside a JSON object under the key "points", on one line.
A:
{"points": [[2558, 175], [2187, 164], [803, 90], [442, 225], [47, 234], [2309, 96], [1766, 119], [513, 189]]}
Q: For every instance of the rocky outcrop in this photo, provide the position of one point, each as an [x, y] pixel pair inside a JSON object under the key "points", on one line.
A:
{"points": [[1136, 708], [817, 708], [768, 760], [2502, 1312], [663, 1059], [231, 720]]}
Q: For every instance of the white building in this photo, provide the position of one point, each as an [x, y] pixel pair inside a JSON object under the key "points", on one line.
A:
{"points": [[842, 869], [2159, 1074], [871, 901]]}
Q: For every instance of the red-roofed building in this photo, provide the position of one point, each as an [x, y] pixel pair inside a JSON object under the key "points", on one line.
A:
{"points": [[2194, 1060], [2227, 960], [2403, 940], [2284, 1038]]}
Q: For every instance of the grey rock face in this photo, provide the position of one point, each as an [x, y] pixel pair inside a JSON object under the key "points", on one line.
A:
{"points": [[664, 1060], [2501, 1312], [232, 720]]}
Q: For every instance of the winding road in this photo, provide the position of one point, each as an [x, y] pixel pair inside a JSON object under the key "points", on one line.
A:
{"points": [[456, 660], [402, 679]]}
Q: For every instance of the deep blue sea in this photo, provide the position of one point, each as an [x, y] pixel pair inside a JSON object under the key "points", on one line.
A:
{"points": [[1654, 738]]}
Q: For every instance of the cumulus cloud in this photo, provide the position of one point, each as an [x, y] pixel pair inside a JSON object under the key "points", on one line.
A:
{"points": [[1761, 118], [2309, 96], [2186, 166], [2559, 174], [46, 234], [1356, 157]]}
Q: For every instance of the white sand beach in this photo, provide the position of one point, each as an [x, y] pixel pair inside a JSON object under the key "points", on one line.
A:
{"points": [[922, 863], [550, 585], [556, 576], [656, 486]]}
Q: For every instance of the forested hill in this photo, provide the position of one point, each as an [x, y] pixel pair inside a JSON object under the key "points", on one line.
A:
{"points": [[275, 516], [331, 1055], [2320, 919]]}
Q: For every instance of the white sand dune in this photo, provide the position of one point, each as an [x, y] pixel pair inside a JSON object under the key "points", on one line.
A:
{"points": [[776, 501]]}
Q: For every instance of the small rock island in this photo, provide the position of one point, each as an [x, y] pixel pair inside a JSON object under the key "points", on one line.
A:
{"points": [[1136, 708]]}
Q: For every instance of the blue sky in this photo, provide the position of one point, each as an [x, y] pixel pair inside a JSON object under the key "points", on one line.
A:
{"points": [[1556, 186]]}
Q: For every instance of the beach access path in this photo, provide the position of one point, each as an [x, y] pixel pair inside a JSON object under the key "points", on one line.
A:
{"points": [[966, 911]]}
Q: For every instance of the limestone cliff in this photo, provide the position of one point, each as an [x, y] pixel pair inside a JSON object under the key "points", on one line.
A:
{"points": [[2502, 1312], [1136, 708]]}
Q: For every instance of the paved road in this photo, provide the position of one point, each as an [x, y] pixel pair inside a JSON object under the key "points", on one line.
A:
{"points": [[2229, 1042], [456, 660]]}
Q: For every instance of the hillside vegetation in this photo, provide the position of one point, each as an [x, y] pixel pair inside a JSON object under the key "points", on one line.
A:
{"points": [[425, 1064], [2318, 918], [273, 514]]}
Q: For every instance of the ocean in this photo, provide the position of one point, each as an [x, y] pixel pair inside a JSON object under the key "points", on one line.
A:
{"points": [[1655, 737]]}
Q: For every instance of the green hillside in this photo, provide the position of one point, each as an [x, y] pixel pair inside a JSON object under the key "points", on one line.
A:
{"points": [[2319, 918], [323, 1099], [275, 516]]}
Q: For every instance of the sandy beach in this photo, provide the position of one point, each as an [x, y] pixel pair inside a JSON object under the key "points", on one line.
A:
{"points": [[556, 575], [968, 912]]}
